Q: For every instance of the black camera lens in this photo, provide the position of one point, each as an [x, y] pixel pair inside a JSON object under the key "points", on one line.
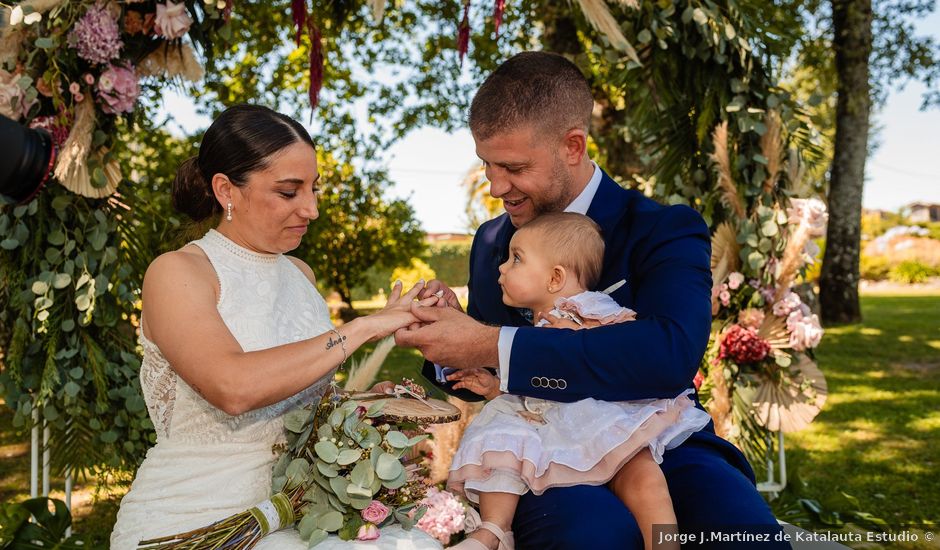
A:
{"points": [[27, 160]]}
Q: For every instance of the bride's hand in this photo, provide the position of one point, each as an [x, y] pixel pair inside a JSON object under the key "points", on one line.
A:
{"points": [[397, 312]]}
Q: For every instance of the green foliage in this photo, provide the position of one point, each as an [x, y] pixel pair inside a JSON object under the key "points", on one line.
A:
{"points": [[409, 276], [911, 272], [358, 230], [343, 456], [451, 262], [877, 433], [874, 268], [68, 293], [30, 524]]}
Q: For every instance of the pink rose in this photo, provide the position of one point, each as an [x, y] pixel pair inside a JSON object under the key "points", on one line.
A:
{"points": [[790, 302], [735, 280], [810, 213], [725, 298], [368, 532], [172, 21], [376, 512]]}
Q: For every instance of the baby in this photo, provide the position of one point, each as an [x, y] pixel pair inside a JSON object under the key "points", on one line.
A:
{"points": [[519, 444]]}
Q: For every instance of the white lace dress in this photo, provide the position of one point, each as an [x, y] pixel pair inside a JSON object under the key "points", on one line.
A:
{"points": [[206, 464]]}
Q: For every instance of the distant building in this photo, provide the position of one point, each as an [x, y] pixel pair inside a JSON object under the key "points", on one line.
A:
{"points": [[448, 238], [880, 214], [920, 212]]}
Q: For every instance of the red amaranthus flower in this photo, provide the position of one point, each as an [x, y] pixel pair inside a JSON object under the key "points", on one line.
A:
{"points": [[743, 345]]}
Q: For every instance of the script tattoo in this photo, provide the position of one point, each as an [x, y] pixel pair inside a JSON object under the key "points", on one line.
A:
{"points": [[330, 342]]}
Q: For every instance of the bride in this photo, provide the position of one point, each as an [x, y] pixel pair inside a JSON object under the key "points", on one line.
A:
{"points": [[235, 334]]}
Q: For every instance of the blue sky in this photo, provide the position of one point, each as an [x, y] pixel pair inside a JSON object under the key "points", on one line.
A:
{"points": [[428, 165]]}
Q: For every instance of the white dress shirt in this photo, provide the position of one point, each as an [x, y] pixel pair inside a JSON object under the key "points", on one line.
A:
{"points": [[580, 204]]}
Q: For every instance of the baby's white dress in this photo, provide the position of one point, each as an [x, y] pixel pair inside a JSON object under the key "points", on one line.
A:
{"points": [[517, 444]]}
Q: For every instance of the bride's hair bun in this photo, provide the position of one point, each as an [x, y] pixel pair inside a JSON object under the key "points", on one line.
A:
{"points": [[192, 193], [242, 140]]}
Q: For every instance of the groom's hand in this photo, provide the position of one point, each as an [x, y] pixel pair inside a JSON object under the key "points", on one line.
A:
{"points": [[437, 288], [451, 338]]}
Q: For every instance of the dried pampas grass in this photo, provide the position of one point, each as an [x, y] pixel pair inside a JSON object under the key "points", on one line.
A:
{"points": [[378, 9], [598, 15], [446, 438], [719, 406], [172, 61], [771, 145], [725, 258], [362, 374], [722, 158]]}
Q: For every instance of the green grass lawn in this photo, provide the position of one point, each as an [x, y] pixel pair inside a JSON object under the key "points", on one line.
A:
{"points": [[877, 438]]}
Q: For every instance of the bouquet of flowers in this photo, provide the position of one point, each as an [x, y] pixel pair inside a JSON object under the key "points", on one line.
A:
{"points": [[345, 469], [759, 372], [74, 68]]}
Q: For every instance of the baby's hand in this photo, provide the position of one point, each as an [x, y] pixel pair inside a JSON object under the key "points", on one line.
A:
{"points": [[477, 380], [557, 322]]}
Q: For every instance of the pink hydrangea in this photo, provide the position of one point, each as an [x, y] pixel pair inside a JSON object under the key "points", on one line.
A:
{"points": [[96, 36], [375, 512], [118, 89], [805, 330], [445, 515]]}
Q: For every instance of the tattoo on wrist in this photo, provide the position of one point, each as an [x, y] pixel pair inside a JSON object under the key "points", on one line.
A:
{"points": [[340, 340]]}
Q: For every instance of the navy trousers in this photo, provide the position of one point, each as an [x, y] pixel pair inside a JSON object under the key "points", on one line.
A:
{"points": [[710, 493]]}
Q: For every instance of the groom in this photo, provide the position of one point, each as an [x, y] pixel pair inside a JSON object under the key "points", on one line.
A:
{"points": [[530, 122]]}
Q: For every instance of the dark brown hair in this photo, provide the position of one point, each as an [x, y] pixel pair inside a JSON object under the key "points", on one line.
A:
{"points": [[537, 88], [573, 241], [239, 142]]}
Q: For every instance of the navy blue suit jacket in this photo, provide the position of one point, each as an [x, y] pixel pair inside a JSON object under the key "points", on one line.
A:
{"points": [[664, 253]]}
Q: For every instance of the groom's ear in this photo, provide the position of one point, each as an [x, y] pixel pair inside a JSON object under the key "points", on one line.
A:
{"points": [[558, 279], [574, 146]]}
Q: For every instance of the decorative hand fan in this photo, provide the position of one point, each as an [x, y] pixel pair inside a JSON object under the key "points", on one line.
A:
{"points": [[786, 407]]}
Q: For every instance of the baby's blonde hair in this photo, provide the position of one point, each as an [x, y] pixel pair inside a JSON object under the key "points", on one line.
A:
{"points": [[573, 241]]}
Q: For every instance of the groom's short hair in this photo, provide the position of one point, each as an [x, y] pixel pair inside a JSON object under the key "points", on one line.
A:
{"points": [[537, 88]]}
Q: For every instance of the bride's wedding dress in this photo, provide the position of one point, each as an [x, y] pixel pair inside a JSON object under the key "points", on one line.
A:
{"points": [[207, 465]]}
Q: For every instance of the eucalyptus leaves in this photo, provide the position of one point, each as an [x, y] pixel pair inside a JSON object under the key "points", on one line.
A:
{"points": [[344, 470], [68, 299], [346, 458]]}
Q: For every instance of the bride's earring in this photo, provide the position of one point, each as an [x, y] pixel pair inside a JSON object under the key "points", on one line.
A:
{"points": [[228, 212]]}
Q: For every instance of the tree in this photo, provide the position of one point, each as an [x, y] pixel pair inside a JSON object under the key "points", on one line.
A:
{"points": [[359, 230], [838, 284]]}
